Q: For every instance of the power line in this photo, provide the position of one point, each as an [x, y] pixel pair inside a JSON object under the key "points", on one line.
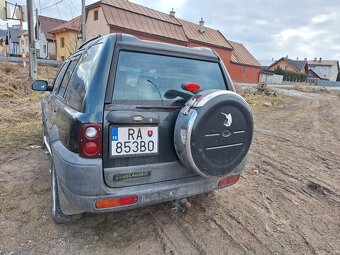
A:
{"points": [[56, 3]]}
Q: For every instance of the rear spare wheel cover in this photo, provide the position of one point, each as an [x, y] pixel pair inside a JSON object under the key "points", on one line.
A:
{"points": [[213, 134]]}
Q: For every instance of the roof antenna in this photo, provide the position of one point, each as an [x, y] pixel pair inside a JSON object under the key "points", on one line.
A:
{"points": [[172, 13], [201, 26]]}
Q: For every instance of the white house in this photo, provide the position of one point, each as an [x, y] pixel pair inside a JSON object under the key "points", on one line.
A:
{"points": [[14, 47], [328, 68], [45, 42]]}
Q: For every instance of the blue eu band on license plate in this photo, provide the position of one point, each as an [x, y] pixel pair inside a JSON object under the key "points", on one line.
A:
{"points": [[114, 134], [136, 141]]}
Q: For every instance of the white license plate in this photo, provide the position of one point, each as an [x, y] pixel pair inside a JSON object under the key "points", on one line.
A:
{"points": [[134, 141]]}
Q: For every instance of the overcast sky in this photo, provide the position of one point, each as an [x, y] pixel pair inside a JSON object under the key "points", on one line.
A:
{"points": [[269, 29]]}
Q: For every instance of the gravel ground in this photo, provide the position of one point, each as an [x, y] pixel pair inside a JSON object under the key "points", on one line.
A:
{"points": [[287, 201]]}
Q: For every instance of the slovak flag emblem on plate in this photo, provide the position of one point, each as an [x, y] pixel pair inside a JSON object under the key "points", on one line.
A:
{"points": [[150, 133]]}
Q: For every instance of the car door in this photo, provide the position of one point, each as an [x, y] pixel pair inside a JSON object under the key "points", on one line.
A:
{"points": [[49, 102], [62, 117]]}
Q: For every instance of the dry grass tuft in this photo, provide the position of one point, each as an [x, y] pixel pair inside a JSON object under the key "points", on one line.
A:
{"points": [[20, 112], [261, 89], [8, 67], [304, 88], [14, 80]]}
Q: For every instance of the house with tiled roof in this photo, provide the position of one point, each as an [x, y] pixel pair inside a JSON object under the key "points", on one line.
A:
{"points": [[45, 42], [67, 38], [316, 74], [243, 63], [122, 16], [327, 69], [286, 64]]}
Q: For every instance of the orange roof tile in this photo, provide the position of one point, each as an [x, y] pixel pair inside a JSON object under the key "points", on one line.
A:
{"points": [[141, 10], [47, 24], [139, 22], [209, 36], [241, 55], [73, 24]]}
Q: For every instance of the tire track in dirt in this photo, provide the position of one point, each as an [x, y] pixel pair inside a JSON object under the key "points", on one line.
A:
{"points": [[174, 237]]}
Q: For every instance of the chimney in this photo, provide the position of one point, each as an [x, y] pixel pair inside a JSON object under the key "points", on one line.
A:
{"points": [[172, 13], [305, 59], [315, 59], [201, 26], [297, 58], [286, 56], [320, 59]]}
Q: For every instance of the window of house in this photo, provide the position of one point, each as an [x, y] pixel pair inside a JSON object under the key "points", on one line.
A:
{"points": [[62, 42], [44, 48], [77, 88], [95, 15], [286, 68]]}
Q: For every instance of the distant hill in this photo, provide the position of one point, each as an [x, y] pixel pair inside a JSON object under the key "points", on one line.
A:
{"points": [[3, 32]]}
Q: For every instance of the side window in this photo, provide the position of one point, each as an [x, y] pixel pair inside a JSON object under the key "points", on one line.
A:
{"points": [[67, 76], [78, 84], [59, 77]]}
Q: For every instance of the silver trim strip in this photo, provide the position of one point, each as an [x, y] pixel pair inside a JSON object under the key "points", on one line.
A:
{"points": [[224, 146], [206, 99], [212, 135], [188, 143], [239, 132], [47, 145], [200, 103]]}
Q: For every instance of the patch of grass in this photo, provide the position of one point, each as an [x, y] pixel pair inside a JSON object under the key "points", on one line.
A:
{"points": [[20, 111], [257, 102], [14, 80], [21, 121]]}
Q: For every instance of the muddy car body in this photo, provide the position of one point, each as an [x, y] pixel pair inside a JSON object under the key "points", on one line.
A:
{"points": [[127, 126]]}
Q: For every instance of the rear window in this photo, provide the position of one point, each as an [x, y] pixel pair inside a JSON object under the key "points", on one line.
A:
{"points": [[143, 78]]}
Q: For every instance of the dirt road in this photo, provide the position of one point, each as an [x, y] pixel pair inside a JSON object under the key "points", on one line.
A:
{"points": [[287, 202]]}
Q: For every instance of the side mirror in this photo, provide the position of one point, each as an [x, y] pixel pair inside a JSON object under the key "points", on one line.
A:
{"points": [[40, 85]]}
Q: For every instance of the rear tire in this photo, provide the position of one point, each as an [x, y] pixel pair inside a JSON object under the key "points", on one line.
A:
{"points": [[57, 215]]}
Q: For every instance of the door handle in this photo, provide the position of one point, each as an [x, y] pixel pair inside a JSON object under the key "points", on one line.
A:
{"points": [[127, 117]]}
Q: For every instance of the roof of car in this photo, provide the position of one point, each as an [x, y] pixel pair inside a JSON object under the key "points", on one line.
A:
{"points": [[130, 42], [201, 52]]}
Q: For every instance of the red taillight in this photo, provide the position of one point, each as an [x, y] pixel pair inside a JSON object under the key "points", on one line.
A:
{"points": [[191, 86], [90, 148], [90, 141], [228, 181], [114, 202]]}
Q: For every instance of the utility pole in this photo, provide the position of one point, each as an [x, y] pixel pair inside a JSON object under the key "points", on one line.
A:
{"points": [[33, 72], [83, 32], [7, 46]]}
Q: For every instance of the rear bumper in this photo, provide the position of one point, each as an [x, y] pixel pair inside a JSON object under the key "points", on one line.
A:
{"points": [[82, 183]]}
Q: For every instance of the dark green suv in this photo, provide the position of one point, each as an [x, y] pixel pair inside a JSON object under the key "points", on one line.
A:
{"points": [[130, 123]]}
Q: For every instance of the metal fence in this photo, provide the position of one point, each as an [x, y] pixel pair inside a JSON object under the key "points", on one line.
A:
{"points": [[47, 62], [325, 83]]}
